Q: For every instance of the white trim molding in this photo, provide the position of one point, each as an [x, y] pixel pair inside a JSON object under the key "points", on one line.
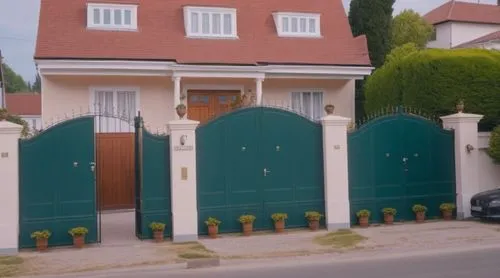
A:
{"points": [[145, 68]]}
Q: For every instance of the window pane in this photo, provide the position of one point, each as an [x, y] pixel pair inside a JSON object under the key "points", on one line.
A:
{"points": [[126, 105], [228, 28], [107, 16], [205, 26], [312, 25], [303, 25], [216, 27], [97, 16], [296, 102], [118, 17], [317, 105], [194, 23], [128, 17], [294, 25], [285, 24], [306, 104], [104, 102]]}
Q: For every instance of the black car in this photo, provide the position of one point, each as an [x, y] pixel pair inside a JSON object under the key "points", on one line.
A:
{"points": [[486, 204]]}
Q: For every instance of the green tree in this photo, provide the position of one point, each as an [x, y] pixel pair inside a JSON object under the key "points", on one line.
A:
{"points": [[5, 115], [13, 81], [410, 27], [373, 18], [37, 85], [494, 145]]}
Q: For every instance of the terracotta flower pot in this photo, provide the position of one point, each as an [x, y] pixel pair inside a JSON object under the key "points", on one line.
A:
{"points": [[314, 225], [447, 215], [279, 226], [158, 236], [388, 219], [247, 229], [420, 216], [79, 241], [212, 231], [363, 221], [42, 244]]}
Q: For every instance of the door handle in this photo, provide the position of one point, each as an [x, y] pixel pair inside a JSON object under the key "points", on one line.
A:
{"points": [[266, 171]]}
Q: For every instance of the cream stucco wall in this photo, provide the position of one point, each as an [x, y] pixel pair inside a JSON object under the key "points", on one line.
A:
{"points": [[443, 36], [63, 95]]}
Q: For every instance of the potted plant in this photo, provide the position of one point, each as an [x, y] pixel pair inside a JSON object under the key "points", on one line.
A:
{"points": [[419, 211], [279, 221], [158, 229], [447, 210], [246, 221], [389, 215], [78, 235], [363, 216], [313, 218], [181, 110], [42, 239], [213, 226]]}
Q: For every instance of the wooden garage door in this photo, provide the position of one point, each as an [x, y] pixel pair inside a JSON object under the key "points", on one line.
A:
{"points": [[115, 172], [204, 105]]}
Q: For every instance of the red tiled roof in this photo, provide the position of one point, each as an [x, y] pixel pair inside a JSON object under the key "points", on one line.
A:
{"points": [[28, 104], [464, 12], [62, 33], [483, 39]]}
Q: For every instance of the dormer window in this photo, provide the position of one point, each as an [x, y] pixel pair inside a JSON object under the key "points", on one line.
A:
{"points": [[112, 17], [210, 22], [297, 24]]}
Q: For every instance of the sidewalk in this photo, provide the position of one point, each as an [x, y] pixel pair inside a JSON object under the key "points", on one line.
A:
{"points": [[233, 248]]}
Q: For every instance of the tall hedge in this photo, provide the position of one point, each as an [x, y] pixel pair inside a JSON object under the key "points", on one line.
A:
{"points": [[434, 80]]}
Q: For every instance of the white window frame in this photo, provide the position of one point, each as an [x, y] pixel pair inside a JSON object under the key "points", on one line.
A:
{"points": [[278, 20], [112, 25], [93, 91], [312, 91], [189, 10]]}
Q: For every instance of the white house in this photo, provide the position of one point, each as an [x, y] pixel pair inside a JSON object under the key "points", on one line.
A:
{"points": [[26, 105], [465, 24]]}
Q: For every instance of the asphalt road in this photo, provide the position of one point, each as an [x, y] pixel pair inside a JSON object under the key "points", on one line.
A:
{"points": [[476, 264]]}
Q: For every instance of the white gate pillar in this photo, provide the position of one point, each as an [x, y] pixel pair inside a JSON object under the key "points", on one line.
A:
{"points": [[9, 187], [466, 158], [337, 208], [183, 180]]}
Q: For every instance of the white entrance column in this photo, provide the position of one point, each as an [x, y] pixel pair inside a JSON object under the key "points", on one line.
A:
{"points": [[183, 180], [9, 187], [337, 208], [466, 158], [258, 90], [177, 92]]}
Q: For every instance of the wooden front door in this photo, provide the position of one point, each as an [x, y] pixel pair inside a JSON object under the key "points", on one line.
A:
{"points": [[204, 105]]}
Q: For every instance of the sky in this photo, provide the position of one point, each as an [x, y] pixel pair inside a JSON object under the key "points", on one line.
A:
{"points": [[19, 20]]}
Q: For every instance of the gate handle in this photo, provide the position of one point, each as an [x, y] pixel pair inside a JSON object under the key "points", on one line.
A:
{"points": [[265, 172], [405, 159], [92, 166]]}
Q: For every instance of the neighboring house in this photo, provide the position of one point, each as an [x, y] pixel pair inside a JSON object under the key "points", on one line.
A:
{"points": [[122, 56], [490, 41], [462, 24], [28, 106]]}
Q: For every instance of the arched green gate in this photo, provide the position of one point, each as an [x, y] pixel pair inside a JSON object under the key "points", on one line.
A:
{"points": [[259, 161], [399, 160]]}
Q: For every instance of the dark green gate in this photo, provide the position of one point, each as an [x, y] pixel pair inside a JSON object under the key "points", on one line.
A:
{"points": [[57, 187], [259, 161], [153, 201], [399, 160]]}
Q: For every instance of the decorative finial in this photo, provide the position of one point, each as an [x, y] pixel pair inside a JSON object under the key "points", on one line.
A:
{"points": [[460, 106], [181, 110], [329, 108]]}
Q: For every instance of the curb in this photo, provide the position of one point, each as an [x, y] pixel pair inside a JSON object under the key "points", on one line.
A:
{"points": [[203, 263]]}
